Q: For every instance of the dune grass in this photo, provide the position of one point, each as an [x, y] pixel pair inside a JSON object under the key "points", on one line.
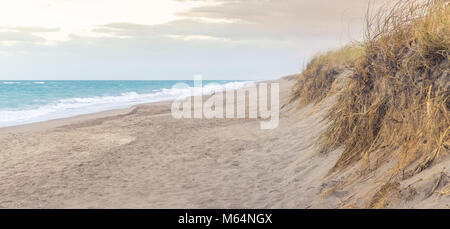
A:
{"points": [[315, 82], [396, 104]]}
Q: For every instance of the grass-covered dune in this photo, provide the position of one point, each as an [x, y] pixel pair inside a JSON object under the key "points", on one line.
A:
{"points": [[395, 103]]}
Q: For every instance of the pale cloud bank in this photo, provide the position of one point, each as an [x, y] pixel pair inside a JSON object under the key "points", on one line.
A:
{"points": [[221, 39]]}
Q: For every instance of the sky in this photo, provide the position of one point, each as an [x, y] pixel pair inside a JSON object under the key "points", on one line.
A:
{"points": [[170, 39]]}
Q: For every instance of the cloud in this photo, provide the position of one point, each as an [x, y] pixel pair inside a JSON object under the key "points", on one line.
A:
{"points": [[34, 29], [291, 17], [22, 34], [237, 31], [341, 20], [12, 36], [230, 39], [155, 58]]}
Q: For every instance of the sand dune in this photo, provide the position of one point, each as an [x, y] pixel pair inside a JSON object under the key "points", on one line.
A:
{"points": [[144, 158]]}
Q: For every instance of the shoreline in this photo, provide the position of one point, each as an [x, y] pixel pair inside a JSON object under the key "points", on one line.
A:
{"points": [[54, 123], [58, 122], [108, 112]]}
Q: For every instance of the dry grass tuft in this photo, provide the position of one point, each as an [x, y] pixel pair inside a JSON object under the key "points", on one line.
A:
{"points": [[316, 80], [397, 102], [445, 191], [381, 198]]}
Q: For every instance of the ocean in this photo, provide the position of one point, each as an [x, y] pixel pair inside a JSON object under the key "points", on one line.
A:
{"points": [[23, 102]]}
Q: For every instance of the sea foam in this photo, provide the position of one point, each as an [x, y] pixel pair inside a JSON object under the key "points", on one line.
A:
{"points": [[69, 107]]}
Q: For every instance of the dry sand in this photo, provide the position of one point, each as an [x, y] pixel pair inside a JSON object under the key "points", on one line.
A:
{"points": [[144, 158]]}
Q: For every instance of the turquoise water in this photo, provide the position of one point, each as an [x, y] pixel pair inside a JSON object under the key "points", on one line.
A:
{"points": [[23, 102]]}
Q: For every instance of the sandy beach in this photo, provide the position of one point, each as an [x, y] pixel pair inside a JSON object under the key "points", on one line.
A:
{"points": [[142, 157]]}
